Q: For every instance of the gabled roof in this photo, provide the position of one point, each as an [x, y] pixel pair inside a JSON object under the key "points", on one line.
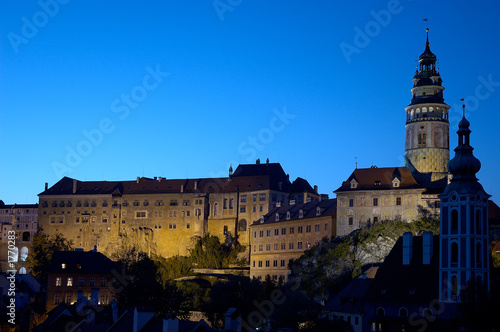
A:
{"points": [[350, 299], [379, 179], [81, 262], [309, 210], [413, 283]]}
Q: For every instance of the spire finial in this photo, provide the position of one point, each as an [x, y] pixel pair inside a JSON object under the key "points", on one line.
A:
{"points": [[463, 107]]}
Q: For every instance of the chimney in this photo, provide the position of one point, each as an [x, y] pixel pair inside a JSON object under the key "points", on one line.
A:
{"points": [[316, 189], [159, 179], [114, 308], [94, 296], [407, 247], [46, 186], [230, 170], [427, 238], [74, 185], [80, 301], [138, 178], [267, 161], [257, 161], [182, 188], [195, 185], [155, 177]]}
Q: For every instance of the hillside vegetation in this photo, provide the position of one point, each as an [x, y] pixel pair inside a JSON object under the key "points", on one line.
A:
{"points": [[328, 266]]}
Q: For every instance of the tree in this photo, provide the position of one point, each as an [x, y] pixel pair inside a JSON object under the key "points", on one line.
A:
{"points": [[42, 248], [147, 289], [208, 252]]}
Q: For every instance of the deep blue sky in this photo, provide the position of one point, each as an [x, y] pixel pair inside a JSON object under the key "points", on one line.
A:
{"points": [[229, 74]]}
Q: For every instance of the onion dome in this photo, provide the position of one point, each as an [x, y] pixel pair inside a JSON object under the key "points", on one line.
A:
{"points": [[427, 57], [464, 165]]}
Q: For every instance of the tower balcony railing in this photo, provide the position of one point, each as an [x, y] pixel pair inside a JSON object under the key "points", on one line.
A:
{"points": [[427, 118]]}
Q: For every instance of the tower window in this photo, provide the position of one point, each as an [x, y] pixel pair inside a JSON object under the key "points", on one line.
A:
{"points": [[478, 222], [454, 254], [454, 221]]}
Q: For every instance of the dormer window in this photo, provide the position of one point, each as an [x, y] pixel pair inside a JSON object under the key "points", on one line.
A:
{"points": [[396, 182], [287, 215], [63, 266], [277, 218], [318, 211], [377, 183], [354, 184], [262, 219], [301, 214]]}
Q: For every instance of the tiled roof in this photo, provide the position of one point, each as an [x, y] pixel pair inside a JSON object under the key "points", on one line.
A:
{"points": [[350, 299], [309, 210], [17, 206], [379, 179], [246, 178], [412, 283], [81, 262]]}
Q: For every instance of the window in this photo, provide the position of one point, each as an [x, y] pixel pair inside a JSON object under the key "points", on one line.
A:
{"points": [[104, 219], [58, 281], [275, 246], [268, 247], [63, 266], [299, 245], [68, 298], [254, 198], [282, 263], [351, 220], [292, 230], [380, 311], [317, 228], [103, 282], [81, 281], [216, 209], [454, 288], [375, 201], [261, 247], [70, 282], [226, 230], [403, 312], [478, 221], [283, 231], [57, 298], [283, 246], [140, 214], [268, 232], [224, 205], [276, 231], [290, 245], [243, 198], [351, 202], [103, 299], [262, 197], [454, 254], [230, 203], [173, 202], [92, 281], [260, 263], [186, 202], [275, 263], [300, 229], [268, 263], [398, 200], [243, 209], [261, 233], [454, 221], [308, 229], [478, 254], [242, 225]]}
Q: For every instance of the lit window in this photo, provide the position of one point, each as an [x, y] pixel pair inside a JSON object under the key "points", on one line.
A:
{"points": [[58, 281], [70, 282]]}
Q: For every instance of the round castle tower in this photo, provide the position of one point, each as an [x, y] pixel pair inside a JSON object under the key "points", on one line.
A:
{"points": [[427, 151]]}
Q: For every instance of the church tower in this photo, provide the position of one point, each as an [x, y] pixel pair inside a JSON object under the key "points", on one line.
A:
{"points": [[464, 223], [427, 149]]}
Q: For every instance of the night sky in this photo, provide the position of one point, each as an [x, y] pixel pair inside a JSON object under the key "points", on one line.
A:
{"points": [[118, 89]]}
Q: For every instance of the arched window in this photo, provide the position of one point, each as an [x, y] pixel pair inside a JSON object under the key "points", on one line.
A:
{"points": [[428, 313], [242, 225], [403, 312], [454, 221], [216, 208], [23, 254], [454, 254], [454, 288], [478, 221], [380, 311], [22, 270]]}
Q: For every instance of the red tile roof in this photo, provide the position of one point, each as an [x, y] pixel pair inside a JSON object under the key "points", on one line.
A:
{"points": [[379, 179]]}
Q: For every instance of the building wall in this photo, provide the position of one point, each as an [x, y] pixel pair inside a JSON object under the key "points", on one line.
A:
{"points": [[62, 292], [274, 245], [364, 211]]}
